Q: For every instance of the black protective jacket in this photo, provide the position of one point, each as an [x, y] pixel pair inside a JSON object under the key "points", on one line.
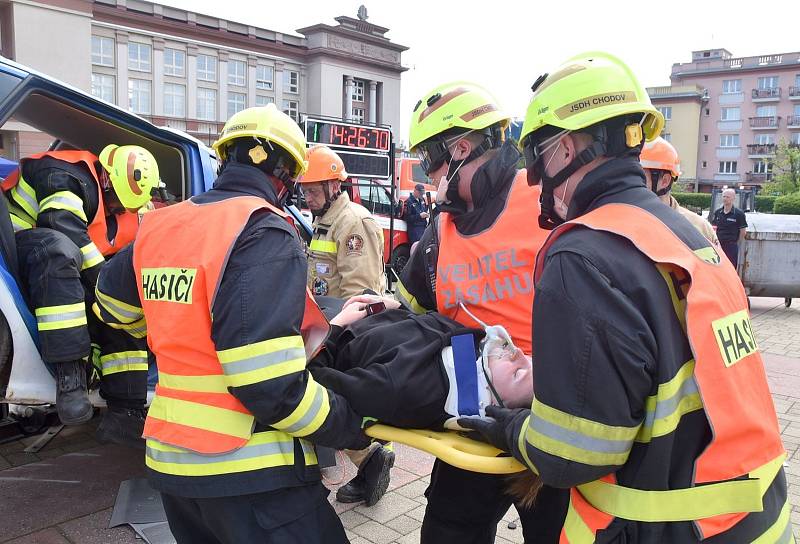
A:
{"points": [[388, 366]]}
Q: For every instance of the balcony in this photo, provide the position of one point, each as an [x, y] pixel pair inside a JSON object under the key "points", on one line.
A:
{"points": [[755, 151], [794, 93], [793, 121], [765, 123], [757, 177], [767, 95]]}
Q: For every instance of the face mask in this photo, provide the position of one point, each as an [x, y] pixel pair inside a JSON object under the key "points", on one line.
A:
{"points": [[559, 206]]}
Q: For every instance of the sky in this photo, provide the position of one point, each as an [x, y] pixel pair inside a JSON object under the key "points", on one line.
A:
{"points": [[506, 45]]}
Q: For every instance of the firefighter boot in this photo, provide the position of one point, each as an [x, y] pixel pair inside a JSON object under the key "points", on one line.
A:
{"points": [[72, 398], [372, 479], [123, 426]]}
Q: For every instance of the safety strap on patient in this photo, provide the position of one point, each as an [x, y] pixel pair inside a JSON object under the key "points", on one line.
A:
{"points": [[464, 357]]}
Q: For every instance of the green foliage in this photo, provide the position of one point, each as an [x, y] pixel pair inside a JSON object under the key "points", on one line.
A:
{"points": [[785, 170], [789, 204], [765, 203], [693, 200]]}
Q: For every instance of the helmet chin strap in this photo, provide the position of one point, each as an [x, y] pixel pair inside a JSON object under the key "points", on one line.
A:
{"points": [[455, 204], [548, 218], [329, 199]]}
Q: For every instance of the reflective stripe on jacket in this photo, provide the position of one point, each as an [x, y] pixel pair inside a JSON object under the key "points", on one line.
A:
{"points": [[25, 207]]}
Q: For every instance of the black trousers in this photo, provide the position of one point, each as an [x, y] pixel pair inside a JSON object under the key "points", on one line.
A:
{"points": [[296, 515], [465, 507], [50, 271], [731, 249]]}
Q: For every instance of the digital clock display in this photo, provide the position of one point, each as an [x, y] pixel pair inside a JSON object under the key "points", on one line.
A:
{"points": [[350, 136]]}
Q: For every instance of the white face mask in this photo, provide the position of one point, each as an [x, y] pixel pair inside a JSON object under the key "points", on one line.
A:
{"points": [[559, 206]]}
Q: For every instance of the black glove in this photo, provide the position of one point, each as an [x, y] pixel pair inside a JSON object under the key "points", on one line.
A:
{"points": [[500, 428]]}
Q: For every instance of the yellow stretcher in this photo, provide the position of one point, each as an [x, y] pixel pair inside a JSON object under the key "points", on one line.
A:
{"points": [[451, 447]]}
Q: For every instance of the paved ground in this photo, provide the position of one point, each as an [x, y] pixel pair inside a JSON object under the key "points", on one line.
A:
{"points": [[65, 493]]}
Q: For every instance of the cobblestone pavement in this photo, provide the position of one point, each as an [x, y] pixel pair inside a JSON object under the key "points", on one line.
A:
{"points": [[41, 507]]}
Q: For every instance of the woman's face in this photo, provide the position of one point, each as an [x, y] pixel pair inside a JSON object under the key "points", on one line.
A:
{"points": [[512, 376]]}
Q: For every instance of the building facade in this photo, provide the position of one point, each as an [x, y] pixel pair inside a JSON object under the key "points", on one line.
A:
{"points": [[191, 71], [738, 109]]}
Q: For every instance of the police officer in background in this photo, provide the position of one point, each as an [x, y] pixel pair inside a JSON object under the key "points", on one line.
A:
{"points": [[731, 225], [478, 252], [650, 398], [416, 213], [230, 430], [71, 210], [346, 251]]}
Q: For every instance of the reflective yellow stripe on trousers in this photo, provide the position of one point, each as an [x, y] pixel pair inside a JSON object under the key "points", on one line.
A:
{"points": [[123, 361]]}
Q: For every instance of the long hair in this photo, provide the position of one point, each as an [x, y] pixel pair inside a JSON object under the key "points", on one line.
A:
{"points": [[523, 487]]}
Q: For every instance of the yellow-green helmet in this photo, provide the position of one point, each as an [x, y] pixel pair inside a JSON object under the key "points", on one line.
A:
{"points": [[265, 123], [133, 172], [454, 105], [587, 89]]}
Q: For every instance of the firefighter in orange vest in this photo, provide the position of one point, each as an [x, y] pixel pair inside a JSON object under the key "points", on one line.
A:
{"points": [[662, 166], [650, 397], [70, 210], [220, 281], [476, 256]]}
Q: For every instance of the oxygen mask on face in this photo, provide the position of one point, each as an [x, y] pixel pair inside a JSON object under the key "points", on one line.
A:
{"points": [[496, 343]]}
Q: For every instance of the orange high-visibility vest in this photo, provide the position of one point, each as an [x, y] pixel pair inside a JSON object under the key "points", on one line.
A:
{"points": [[491, 272], [127, 222], [730, 375], [192, 407]]}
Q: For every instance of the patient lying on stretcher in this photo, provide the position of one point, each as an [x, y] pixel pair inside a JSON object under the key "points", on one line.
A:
{"points": [[419, 371], [424, 371]]}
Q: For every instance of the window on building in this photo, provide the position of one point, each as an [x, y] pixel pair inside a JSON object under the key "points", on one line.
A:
{"points": [[667, 136], [262, 100], [358, 115], [102, 51], [103, 87], [766, 111], [206, 104], [290, 108], [762, 167], [206, 68], [708, 112], [730, 114], [767, 82], [174, 62], [237, 73], [797, 80], [731, 86], [729, 140], [138, 57], [291, 81], [704, 164], [765, 139], [174, 100], [666, 111], [795, 138], [236, 102], [264, 77], [139, 96], [796, 110], [727, 167], [705, 138], [358, 90]]}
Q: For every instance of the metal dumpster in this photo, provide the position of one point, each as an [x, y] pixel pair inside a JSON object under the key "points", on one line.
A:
{"points": [[769, 262]]}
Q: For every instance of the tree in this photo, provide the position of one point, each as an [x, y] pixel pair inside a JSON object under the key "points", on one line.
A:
{"points": [[785, 170]]}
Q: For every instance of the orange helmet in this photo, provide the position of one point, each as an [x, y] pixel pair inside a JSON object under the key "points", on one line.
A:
{"points": [[323, 165], [660, 155]]}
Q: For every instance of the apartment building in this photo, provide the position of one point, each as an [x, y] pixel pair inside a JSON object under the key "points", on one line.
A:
{"points": [[733, 111]]}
